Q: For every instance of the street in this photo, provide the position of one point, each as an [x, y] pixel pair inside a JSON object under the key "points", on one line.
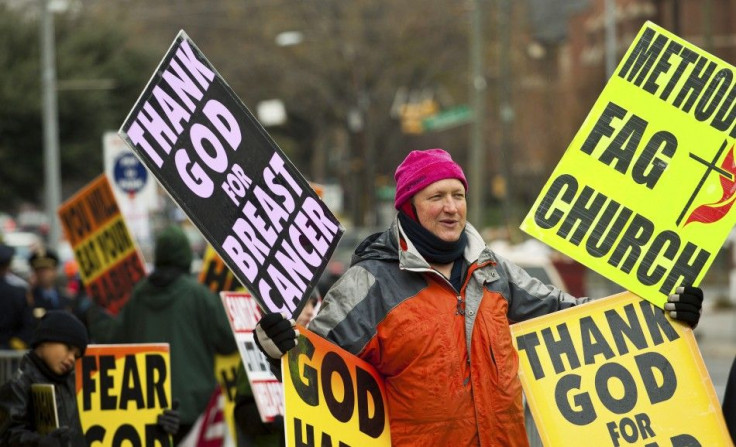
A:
{"points": [[716, 335]]}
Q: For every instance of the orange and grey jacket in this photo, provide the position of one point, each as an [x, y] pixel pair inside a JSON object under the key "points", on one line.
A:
{"points": [[447, 359]]}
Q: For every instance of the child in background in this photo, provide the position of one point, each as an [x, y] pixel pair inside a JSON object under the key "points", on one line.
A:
{"points": [[59, 340]]}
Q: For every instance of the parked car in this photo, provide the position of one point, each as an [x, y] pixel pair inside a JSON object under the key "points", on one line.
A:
{"points": [[24, 243], [534, 257]]}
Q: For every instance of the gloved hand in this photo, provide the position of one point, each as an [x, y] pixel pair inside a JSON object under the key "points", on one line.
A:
{"points": [[169, 420], [275, 335], [686, 305], [60, 437], [277, 425]]}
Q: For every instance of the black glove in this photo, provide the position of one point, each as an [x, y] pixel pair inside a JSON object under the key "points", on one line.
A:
{"points": [[275, 335], [686, 305], [60, 437], [277, 425], [169, 420]]}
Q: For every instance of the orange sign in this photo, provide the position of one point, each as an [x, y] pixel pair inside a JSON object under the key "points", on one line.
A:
{"points": [[109, 261], [332, 397]]}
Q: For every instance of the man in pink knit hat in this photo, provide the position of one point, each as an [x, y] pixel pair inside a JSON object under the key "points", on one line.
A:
{"points": [[428, 304]]}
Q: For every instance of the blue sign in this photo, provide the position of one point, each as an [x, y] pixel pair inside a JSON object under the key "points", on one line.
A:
{"points": [[129, 173]]}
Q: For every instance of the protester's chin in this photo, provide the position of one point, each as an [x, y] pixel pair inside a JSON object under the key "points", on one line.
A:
{"points": [[449, 236]]}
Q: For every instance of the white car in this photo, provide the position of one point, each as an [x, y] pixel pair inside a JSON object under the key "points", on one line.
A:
{"points": [[532, 256], [24, 243]]}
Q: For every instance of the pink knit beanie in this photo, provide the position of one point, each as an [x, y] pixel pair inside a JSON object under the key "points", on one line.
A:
{"points": [[422, 168]]}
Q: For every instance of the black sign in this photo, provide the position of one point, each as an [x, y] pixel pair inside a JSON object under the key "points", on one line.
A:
{"points": [[231, 179]]}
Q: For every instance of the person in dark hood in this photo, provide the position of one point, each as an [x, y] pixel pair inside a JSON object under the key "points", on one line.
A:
{"points": [[170, 306]]}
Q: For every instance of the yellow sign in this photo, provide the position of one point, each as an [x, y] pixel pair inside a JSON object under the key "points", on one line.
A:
{"points": [[45, 413], [617, 372], [121, 390], [215, 274], [644, 192], [226, 372], [109, 262], [332, 397]]}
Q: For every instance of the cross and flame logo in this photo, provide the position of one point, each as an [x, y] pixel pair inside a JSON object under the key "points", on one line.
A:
{"points": [[715, 211]]}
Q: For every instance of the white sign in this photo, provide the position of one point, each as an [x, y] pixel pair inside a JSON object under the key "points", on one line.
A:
{"points": [[133, 185]]}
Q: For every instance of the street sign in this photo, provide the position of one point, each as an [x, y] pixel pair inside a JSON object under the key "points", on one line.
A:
{"points": [[446, 119]]}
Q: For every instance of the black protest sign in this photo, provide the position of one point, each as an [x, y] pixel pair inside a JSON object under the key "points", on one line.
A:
{"points": [[231, 179]]}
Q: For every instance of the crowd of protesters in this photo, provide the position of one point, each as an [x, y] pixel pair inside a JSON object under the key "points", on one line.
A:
{"points": [[423, 273]]}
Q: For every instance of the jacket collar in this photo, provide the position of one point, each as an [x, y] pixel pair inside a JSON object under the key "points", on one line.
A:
{"points": [[410, 259]]}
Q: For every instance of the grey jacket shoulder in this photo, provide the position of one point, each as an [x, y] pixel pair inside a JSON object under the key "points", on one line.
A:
{"points": [[528, 297]]}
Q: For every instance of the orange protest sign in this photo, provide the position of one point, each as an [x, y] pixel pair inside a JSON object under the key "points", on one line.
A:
{"points": [[109, 261], [332, 397]]}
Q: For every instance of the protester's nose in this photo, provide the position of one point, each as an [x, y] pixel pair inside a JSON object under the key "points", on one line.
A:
{"points": [[450, 205]]}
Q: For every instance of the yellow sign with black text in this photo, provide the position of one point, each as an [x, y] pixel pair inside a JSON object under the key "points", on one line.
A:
{"points": [[121, 390], [226, 372], [617, 372], [332, 398], [45, 413], [644, 193]]}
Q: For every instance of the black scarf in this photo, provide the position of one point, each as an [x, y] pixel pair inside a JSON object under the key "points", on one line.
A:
{"points": [[432, 248], [45, 370]]}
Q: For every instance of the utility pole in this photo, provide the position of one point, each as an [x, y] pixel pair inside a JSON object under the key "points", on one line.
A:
{"points": [[477, 178], [52, 168], [708, 26], [610, 18], [506, 108]]}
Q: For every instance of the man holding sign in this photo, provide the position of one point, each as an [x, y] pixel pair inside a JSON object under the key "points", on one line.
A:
{"points": [[428, 304]]}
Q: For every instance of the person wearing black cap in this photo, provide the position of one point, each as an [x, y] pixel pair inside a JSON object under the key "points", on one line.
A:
{"points": [[46, 293], [58, 341], [16, 321]]}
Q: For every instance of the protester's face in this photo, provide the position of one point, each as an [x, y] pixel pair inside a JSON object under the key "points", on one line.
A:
{"points": [[46, 276], [59, 357], [307, 314], [441, 209]]}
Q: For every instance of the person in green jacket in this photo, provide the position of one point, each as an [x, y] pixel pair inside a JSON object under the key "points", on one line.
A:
{"points": [[171, 306]]}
